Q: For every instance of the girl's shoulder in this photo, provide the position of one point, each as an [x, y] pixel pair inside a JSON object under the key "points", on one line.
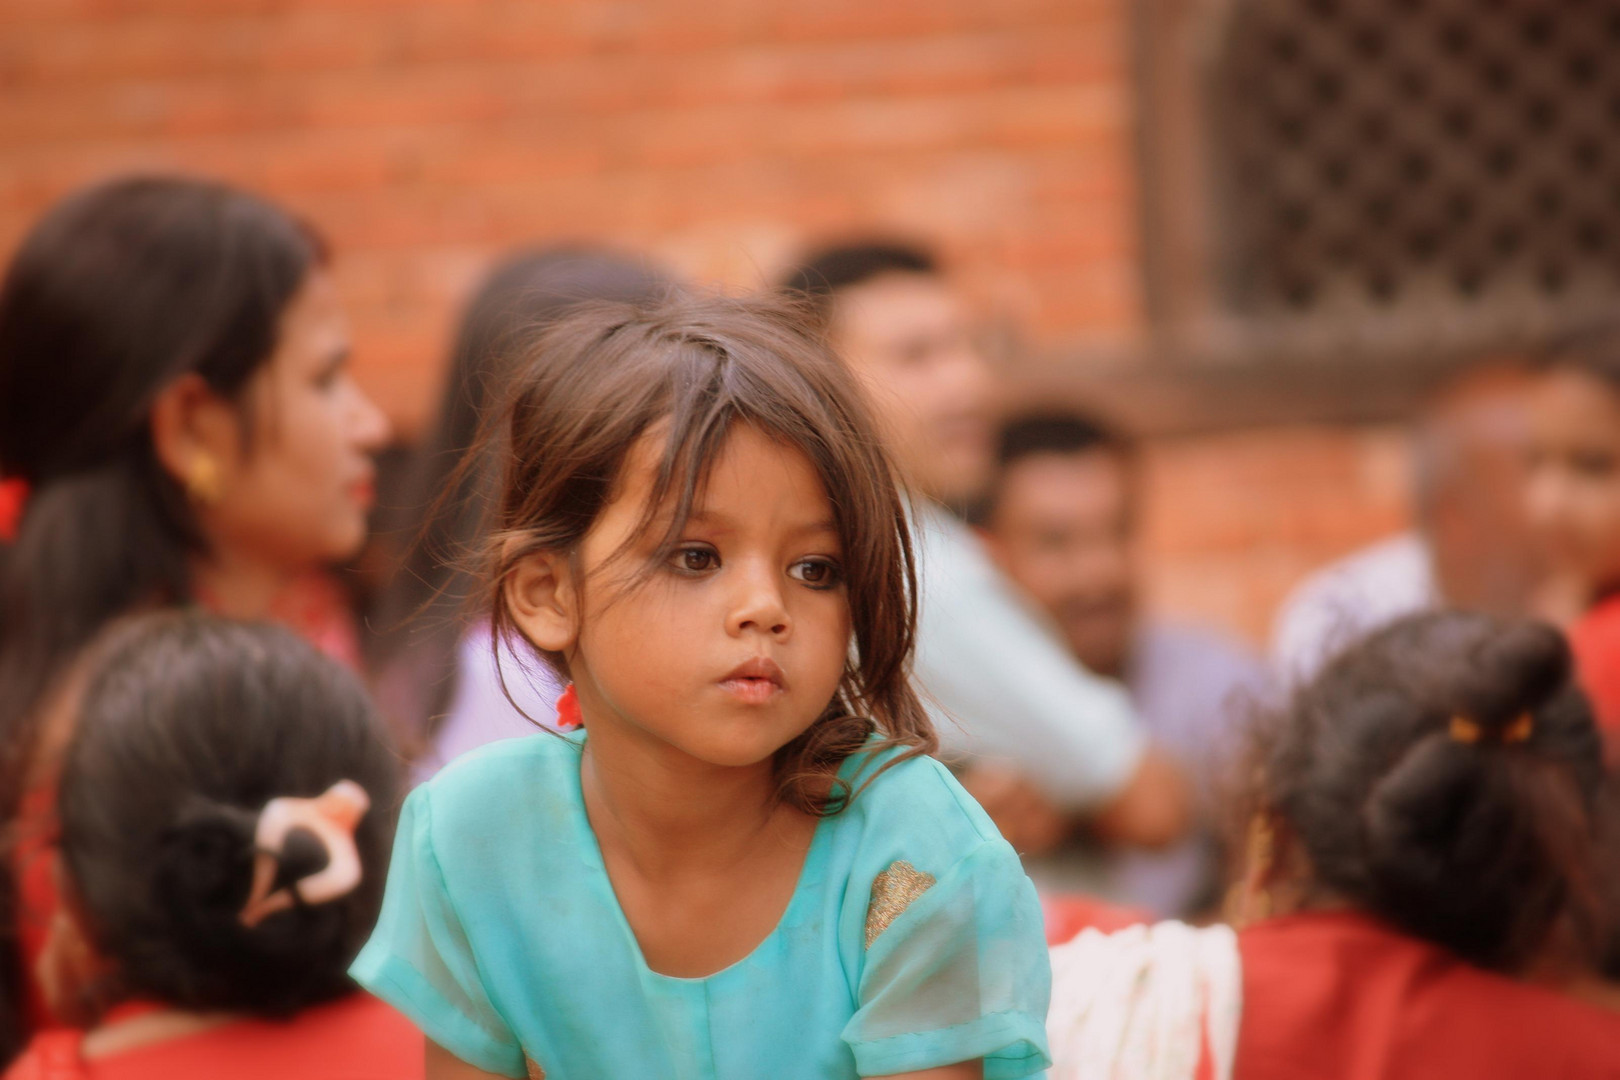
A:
{"points": [[890, 788], [508, 760], [912, 812], [511, 784]]}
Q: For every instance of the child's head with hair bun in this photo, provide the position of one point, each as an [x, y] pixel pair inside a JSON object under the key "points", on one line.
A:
{"points": [[1443, 775], [189, 727]]}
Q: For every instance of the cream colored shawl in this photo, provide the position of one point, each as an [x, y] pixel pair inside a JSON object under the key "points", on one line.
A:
{"points": [[1139, 1004]]}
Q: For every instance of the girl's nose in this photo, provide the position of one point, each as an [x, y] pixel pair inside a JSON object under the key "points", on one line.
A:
{"points": [[759, 606]]}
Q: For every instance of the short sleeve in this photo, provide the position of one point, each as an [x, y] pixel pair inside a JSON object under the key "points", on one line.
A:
{"points": [[960, 974], [420, 961]]}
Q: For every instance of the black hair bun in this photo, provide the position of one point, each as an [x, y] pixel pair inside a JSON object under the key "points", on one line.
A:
{"points": [[205, 860], [1519, 668], [302, 854], [1471, 835], [188, 728], [1447, 844]]}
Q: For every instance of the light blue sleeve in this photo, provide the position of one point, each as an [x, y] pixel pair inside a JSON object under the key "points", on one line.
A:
{"points": [[420, 961], [961, 974], [1008, 689]]}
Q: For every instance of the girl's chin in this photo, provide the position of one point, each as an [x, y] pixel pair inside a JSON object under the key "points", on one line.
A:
{"points": [[739, 751]]}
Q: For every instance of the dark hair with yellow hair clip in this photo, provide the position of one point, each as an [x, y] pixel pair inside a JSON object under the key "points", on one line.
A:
{"points": [[1444, 775]]}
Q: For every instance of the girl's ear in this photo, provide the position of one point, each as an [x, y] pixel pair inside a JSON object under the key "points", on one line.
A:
{"points": [[195, 432], [541, 596]]}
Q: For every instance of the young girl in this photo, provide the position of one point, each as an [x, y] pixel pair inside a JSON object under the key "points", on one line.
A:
{"points": [[225, 813], [1574, 503], [745, 865], [1423, 851]]}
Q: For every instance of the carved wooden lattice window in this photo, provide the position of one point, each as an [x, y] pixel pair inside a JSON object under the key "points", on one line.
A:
{"points": [[1438, 164]]}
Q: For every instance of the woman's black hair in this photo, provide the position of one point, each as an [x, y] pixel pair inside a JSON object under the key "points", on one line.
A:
{"points": [[189, 725], [1443, 775], [114, 294], [416, 628]]}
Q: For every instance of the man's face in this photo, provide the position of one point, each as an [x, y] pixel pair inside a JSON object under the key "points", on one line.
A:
{"points": [[906, 337], [1062, 528]]}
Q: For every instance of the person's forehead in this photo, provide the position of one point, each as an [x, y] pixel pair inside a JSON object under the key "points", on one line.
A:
{"points": [[1073, 481], [895, 303]]}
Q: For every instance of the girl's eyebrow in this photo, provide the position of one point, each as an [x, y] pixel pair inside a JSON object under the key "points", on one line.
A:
{"points": [[826, 525], [718, 520]]}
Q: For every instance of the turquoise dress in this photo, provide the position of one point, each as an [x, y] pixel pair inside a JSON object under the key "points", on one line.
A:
{"points": [[912, 940]]}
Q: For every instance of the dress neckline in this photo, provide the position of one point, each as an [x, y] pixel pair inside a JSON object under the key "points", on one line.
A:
{"points": [[792, 914]]}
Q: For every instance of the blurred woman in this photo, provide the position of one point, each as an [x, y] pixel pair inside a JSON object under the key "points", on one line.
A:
{"points": [[1422, 854], [174, 394], [226, 805], [1574, 504], [439, 680]]}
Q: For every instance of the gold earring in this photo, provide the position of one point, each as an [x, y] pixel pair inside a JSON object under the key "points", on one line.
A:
{"points": [[204, 482]]}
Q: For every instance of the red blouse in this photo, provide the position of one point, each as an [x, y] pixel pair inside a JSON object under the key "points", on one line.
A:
{"points": [[357, 1038], [1339, 996]]}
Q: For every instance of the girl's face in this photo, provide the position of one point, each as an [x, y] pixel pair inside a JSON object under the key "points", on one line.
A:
{"points": [[1574, 489], [738, 641], [297, 477]]}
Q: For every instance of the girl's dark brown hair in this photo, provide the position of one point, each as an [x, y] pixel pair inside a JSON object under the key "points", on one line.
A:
{"points": [[1479, 837], [114, 293], [691, 368]]}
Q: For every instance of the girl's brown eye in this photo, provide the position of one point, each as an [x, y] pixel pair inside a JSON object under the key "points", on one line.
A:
{"points": [[818, 573], [696, 560]]}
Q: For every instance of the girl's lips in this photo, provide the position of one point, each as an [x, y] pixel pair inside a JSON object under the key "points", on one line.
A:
{"points": [[751, 691], [756, 681]]}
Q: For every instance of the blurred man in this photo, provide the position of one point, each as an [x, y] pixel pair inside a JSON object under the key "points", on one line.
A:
{"points": [[1470, 548], [1060, 518], [1049, 747]]}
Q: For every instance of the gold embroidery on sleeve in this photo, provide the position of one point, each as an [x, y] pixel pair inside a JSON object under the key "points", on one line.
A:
{"points": [[535, 1071], [892, 892]]}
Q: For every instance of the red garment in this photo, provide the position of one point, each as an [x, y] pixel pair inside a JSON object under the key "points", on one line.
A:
{"points": [[31, 867], [357, 1038], [317, 608], [1595, 638], [1069, 913], [1339, 996]]}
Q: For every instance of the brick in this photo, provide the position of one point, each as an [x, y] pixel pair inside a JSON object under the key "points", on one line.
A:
{"points": [[427, 137]]}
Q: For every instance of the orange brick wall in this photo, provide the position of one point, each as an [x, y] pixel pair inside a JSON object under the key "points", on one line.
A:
{"points": [[426, 136], [1232, 521]]}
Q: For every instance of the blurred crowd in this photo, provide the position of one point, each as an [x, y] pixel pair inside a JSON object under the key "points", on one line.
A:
{"points": [[185, 458]]}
